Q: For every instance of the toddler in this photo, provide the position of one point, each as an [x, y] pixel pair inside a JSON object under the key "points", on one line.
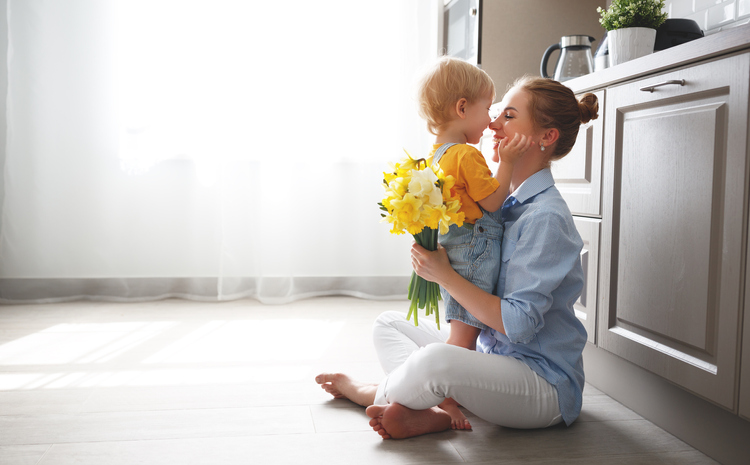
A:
{"points": [[455, 99]]}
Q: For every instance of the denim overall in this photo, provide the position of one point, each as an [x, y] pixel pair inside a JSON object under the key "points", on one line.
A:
{"points": [[474, 254]]}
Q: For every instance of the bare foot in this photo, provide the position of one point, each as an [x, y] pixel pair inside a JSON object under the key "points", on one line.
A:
{"points": [[458, 419], [394, 421], [341, 386]]}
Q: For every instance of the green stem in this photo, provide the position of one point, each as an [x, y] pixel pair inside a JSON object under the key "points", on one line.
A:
{"points": [[424, 294]]}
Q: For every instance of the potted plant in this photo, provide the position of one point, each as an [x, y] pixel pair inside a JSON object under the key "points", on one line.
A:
{"points": [[631, 26]]}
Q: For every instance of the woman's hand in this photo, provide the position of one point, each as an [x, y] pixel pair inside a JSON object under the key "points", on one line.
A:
{"points": [[431, 265], [436, 267]]}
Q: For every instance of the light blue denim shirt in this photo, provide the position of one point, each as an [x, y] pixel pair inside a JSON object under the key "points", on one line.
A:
{"points": [[540, 280]]}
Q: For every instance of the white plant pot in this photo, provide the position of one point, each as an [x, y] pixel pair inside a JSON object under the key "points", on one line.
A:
{"points": [[630, 43]]}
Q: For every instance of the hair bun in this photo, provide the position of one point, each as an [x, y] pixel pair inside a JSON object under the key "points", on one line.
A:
{"points": [[588, 105]]}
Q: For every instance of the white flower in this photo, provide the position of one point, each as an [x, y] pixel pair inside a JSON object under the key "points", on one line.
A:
{"points": [[422, 186]]}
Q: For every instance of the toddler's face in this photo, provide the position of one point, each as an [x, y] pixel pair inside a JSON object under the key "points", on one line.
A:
{"points": [[477, 119]]}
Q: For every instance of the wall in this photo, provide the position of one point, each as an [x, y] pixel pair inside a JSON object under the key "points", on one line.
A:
{"points": [[711, 15], [515, 34]]}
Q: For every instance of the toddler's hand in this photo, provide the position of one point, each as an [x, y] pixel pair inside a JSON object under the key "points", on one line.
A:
{"points": [[510, 150]]}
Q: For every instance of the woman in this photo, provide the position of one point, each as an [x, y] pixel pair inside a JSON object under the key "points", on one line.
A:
{"points": [[527, 371]]}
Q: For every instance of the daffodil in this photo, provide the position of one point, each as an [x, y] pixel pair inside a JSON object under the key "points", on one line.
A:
{"points": [[447, 188], [407, 208], [410, 163], [388, 177], [420, 200], [423, 184], [396, 226], [415, 227]]}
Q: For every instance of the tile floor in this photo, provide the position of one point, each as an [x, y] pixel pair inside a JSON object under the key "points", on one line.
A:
{"points": [[181, 382]]}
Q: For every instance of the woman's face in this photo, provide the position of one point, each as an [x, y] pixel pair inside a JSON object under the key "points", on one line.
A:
{"points": [[515, 117]]}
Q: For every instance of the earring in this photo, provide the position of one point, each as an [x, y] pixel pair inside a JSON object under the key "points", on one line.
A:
{"points": [[541, 146]]}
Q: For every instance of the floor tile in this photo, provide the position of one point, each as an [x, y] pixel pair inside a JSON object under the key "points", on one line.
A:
{"points": [[176, 381], [43, 401], [138, 398], [22, 455], [334, 420], [310, 449], [660, 458], [603, 408], [584, 439], [128, 426]]}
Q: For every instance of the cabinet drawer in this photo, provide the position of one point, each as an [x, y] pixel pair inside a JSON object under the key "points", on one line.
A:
{"points": [[674, 214], [585, 307], [578, 176]]}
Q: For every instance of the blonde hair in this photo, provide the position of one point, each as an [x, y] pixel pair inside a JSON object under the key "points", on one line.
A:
{"points": [[553, 105], [447, 82]]}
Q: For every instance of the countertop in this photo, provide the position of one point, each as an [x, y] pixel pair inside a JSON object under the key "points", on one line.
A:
{"points": [[713, 46]]}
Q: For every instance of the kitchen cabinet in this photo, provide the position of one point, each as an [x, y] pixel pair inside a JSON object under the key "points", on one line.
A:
{"points": [[585, 307], [673, 233], [673, 303], [578, 177], [744, 398]]}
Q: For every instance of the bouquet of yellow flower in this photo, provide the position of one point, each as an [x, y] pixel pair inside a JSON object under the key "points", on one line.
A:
{"points": [[420, 200]]}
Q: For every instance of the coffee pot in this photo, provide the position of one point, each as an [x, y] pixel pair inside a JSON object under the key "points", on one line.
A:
{"points": [[574, 60]]}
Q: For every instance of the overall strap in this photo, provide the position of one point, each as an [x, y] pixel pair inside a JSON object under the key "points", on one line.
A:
{"points": [[441, 151]]}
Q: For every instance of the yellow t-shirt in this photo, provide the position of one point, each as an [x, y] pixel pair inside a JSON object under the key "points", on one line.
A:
{"points": [[474, 180]]}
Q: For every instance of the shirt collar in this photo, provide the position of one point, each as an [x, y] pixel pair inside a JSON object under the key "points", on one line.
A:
{"points": [[534, 184]]}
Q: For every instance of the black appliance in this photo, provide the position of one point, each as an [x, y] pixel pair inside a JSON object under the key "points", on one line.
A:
{"points": [[676, 31]]}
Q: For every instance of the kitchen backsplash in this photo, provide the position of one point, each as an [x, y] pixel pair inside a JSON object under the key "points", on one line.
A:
{"points": [[711, 15]]}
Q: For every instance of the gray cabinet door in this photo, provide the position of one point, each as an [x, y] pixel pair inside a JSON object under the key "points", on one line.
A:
{"points": [[744, 407], [578, 175], [585, 307], [675, 188]]}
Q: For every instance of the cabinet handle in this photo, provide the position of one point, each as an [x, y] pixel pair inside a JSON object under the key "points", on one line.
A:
{"points": [[680, 82]]}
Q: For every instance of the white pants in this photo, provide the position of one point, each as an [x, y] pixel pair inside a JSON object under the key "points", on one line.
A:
{"points": [[422, 371]]}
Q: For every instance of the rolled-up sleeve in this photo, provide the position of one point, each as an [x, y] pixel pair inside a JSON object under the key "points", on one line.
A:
{"points": [[536, 261]]}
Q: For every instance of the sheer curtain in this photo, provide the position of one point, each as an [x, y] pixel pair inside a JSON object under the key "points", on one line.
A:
{"points": [[206, 149]]}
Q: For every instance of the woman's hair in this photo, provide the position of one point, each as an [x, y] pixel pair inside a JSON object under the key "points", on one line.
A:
{"points": [[447, 82], [553, 105]]}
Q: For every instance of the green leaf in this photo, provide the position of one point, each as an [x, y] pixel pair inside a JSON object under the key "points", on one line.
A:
{"points": [[633, 13]]}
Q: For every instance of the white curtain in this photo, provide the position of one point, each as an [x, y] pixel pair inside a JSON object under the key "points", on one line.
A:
{"points": [[206, 149]]}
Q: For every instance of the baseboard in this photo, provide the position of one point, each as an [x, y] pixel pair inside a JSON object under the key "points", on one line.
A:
{"points": [[721, 435], [272, 290]]}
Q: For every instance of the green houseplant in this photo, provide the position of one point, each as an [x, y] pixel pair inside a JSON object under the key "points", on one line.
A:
{"points": [[632, 27]]}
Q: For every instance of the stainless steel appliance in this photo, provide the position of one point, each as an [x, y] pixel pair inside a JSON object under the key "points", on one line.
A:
{"points": [[601, 56], [462, 30], [575, 58]]}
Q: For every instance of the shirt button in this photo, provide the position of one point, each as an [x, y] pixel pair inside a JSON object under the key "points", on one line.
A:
{"points": [[481, 229]]}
